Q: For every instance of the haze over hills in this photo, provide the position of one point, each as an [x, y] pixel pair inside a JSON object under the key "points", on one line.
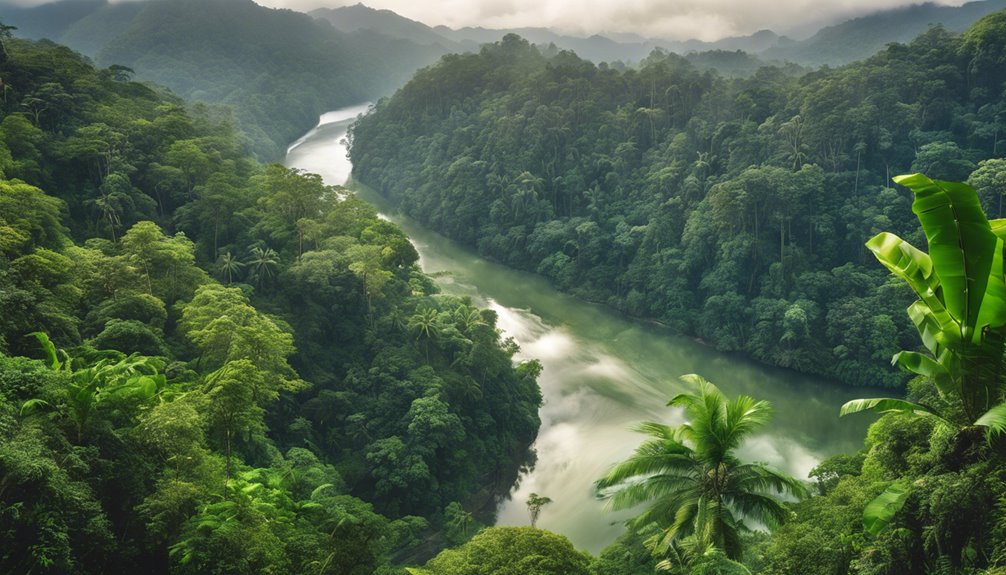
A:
{"points": [[862, 37], [238, 53], [834, 45], [279, 69], [597, 48]]}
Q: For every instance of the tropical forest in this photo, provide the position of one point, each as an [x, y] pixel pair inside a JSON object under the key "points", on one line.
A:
{"points": [[502, 288]]}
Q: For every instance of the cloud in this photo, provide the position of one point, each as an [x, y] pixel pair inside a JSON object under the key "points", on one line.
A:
{"points": [[671, 19]]}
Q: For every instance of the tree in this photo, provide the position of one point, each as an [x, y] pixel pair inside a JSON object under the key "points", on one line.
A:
{"points": [[367, 265], [28, 218], [534, 504], [6, 33], [263, 263], [689, 474], [989, 180], [167, 264], [457, 519], [426, 325], [224, 327], [510, 551], [233, 409], [228, 265]]}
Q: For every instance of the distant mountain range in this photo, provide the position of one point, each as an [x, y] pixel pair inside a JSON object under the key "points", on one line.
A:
{"points": [[597, 48], [834, 45], [278, 69], [862, 37]]}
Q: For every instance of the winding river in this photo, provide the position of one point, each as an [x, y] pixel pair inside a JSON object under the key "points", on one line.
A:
{"points": [[603, 373]]}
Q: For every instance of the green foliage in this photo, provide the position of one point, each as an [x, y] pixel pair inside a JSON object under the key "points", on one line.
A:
{"points": [[879, 512], [156, 440], [699, 201], [510, 550], [277, 70]]}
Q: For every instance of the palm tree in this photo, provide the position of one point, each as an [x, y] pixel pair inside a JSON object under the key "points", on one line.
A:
{"points": [[468, 318], [426, 324], [689, 474], [263, 263], [229, 265]]}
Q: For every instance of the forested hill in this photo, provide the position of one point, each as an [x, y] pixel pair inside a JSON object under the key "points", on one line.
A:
{"points": [[732, 209], [238, 369], [861, 37], [836, 44], [278, 69]]}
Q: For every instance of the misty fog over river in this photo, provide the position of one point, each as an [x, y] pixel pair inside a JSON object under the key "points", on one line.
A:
{"points": [[603, 373]]}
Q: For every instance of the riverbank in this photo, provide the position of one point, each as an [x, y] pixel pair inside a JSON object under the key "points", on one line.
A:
{"points": [[603, 374]]}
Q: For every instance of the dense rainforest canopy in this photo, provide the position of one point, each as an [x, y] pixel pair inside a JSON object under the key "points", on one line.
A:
{"points": [[735, 210], [277, 70], [238, 369], [212, 365]]}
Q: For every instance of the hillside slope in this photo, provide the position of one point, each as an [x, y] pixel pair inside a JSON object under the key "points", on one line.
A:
{"points": [[278, 69]]}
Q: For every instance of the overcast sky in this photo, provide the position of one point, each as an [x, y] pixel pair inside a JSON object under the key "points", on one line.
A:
{"points": [[676, 19], [673, 19]]}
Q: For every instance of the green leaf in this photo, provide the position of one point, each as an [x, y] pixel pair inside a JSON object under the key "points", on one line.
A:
{"points": [[993, 310], [31, 404], [994, 419], [961, 243], [905, 261], [878, 513], [886, 405], [319, 489], [998, 228], [48, 347], [936, 328], [926, 366]]}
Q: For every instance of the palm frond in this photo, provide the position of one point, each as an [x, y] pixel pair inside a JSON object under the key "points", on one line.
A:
{"points": [[994, 420], [655, 488], [755, 477], [759, 507], [650, 458]]}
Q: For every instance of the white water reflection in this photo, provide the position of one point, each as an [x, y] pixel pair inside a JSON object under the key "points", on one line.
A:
{"points": [[603, 374]]}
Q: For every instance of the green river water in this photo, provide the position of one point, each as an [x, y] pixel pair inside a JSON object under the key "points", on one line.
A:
{"points": [[603, 372]]}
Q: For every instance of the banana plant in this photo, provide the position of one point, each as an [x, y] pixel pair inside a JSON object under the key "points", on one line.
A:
{"points": [[960, 316], [961, 311], [115, 376]]}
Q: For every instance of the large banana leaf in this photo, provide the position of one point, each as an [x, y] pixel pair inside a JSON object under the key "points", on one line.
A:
{"points": [[961, 243], [998, 228], [993, 310], [888, 404], [878, 513], [936, 328], [920, 364], [907, 262]]}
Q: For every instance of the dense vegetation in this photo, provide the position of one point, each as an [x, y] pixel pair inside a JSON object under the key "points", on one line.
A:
{"points": [[735, 210], [278, 69], [926, 495], [210, 365], [241, 370]]}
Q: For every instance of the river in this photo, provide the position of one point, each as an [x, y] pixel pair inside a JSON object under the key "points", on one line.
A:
{"points": [[603, 373]]}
